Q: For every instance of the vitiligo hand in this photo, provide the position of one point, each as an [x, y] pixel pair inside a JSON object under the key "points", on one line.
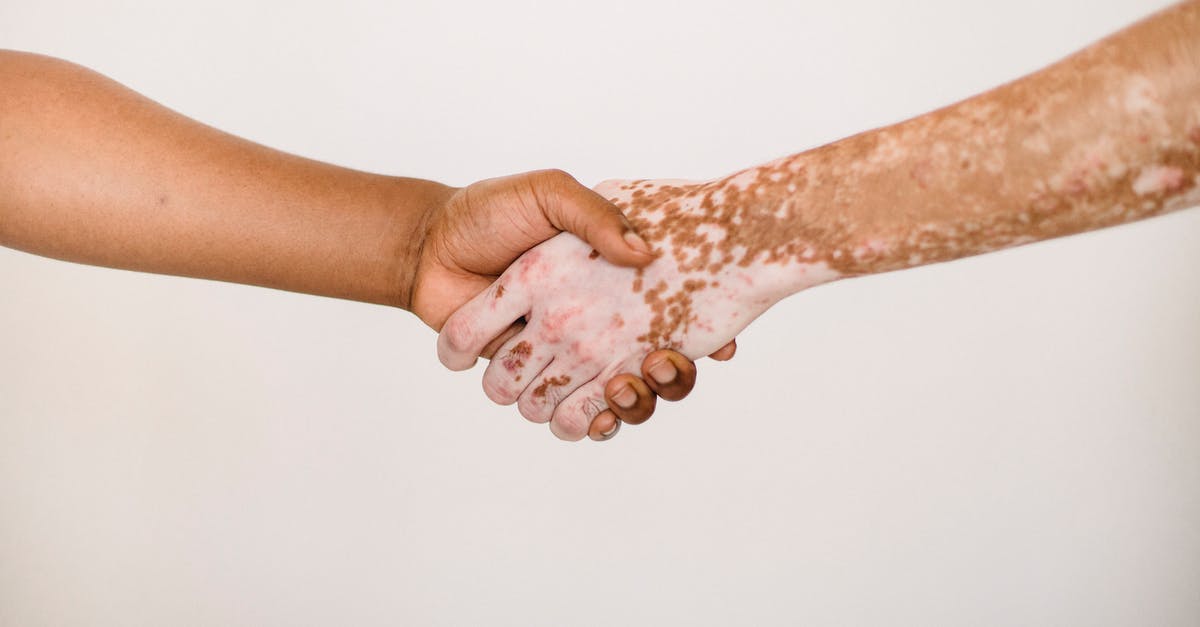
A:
{"points": [[588, 320]]}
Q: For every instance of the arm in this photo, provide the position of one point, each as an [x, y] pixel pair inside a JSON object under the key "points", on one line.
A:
{"points": [[93, 172], [1107, 136]]}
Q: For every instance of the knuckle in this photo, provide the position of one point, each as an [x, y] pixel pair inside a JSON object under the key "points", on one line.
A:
{"points": [[554, 396], [573, 420], [553, 176], [593, 405], [459, 333]]}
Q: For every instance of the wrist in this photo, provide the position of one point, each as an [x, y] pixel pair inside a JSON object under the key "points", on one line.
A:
{"points": [[782, 222], [831, 213], [413, 205]]}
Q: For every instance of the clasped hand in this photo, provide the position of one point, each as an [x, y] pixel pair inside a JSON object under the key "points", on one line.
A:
{"points": [[473, 259]]}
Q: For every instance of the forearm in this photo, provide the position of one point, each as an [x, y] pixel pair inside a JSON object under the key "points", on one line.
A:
{"points": [[1107, 136], [93, 172]]}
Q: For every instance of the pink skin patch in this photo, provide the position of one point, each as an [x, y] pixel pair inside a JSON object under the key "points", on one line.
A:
{"points": [[591, 320], [775, 229], [529, 266], [1158, 179], [553, 324]]}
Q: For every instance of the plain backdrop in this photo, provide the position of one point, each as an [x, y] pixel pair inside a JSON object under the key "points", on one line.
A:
{"points": [[1005, 440]]}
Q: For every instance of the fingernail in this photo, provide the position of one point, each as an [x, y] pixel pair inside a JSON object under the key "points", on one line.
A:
{"points": [[626, 398], [610, 432], [636, 242], [664, 372]]}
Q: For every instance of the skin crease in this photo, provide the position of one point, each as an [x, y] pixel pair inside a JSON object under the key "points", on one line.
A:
{"points": [[93, 172], [1108, 136]]}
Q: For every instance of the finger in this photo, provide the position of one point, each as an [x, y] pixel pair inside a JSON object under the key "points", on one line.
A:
{"points": [[669, 374], [489, 351], [574, 416], [604, 426], [571, 207], [726, 352], [476, 324], [630, 398], [517, 364], [552, 386]]}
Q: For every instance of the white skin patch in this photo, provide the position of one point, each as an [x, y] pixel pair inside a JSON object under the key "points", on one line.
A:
{"points": [[1190, 199], [586, 322], [1158, 179], [741, 180], [1141, 98], [1035, 159], [1036, 143]]}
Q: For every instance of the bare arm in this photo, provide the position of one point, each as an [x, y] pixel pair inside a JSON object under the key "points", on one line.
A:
{"points": [[92, 172], [1107, 136]]}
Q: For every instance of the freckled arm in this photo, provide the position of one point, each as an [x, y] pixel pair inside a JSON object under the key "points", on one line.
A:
{"points": [[1107, 136]]}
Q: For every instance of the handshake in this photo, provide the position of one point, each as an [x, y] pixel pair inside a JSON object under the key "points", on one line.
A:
{"points": [[573, 292], [650, 275]]}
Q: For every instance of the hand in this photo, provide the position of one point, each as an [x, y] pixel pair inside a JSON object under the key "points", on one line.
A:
{"points": [[474, 233], [678, 376], [589, 321]]}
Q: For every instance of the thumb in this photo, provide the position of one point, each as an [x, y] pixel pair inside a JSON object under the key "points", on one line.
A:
{"points": [[571, 207]]}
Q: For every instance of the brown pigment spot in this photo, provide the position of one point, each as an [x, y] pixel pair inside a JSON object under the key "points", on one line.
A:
{"points": [[946, 185], [917, 196], [594, 254], [499, 291], [516, 357], [671, 314], [540, 391]]}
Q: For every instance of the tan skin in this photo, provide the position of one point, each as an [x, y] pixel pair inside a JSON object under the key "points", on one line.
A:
{"points": [[1107, 136], [95, 173]]}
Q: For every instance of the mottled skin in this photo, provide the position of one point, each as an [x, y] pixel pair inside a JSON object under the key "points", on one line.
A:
{"points": [[1107, 136], [93, 172]]}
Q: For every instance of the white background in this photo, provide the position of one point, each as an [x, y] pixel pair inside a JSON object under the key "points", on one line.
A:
{"points": [[1005, 440]]}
